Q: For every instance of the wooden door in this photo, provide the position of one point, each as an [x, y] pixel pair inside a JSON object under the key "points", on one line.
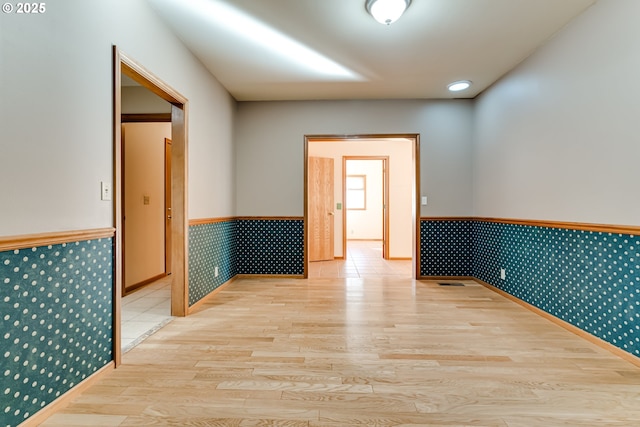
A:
{"points": [[143, 203], [167, 204], [321, 205]]}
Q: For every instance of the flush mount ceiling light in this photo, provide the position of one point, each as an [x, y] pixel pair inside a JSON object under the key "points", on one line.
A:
{"points": [[459, 85], [386, 11]]}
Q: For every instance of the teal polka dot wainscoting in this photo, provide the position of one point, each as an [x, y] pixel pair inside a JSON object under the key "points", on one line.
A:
{"points": [[587, 278], [271, 246], [445, 248], [56, 322], [210, 246]]}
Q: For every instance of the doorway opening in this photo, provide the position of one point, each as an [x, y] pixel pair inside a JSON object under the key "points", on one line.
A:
{"points": [[398, 156], [177, 180], [146, 218], [365, 184]]}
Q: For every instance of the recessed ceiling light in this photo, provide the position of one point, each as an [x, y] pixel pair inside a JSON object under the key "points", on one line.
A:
{"points": [[459, 85]]}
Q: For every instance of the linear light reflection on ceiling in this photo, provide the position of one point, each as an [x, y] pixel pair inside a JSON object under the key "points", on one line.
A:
{"points": [[243, 25]]}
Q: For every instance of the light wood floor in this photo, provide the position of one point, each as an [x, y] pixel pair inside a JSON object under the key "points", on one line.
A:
{"points": [[370, 352]]}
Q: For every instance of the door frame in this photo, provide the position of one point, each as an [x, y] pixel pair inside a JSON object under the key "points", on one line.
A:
{"points": [[385, 201], [168, 149], [415, 190], [123, 64]]}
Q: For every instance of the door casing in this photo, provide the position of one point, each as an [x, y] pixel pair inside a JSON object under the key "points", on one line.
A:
{"points": [[123, 64], [385, 201], [415, 191]]}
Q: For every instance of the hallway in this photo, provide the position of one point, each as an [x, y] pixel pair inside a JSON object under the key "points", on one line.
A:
{"points": [[347, 352], [364, 259]]}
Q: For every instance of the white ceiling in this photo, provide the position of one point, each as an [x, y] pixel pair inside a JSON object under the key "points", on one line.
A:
{"points": [[434, 43]]}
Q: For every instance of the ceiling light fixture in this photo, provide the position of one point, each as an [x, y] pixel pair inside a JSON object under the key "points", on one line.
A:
{"points": [[459, 85], [386, 11]]}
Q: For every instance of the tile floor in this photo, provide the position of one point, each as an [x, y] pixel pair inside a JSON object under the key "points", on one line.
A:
{"points": [[364, 259], [145, 311]]}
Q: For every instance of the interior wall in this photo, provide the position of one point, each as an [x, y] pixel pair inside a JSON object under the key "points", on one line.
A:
{"points": [[270, 148], [56, 125], [557, 138], [400, 187], [56, 113], [144, 203], [367, 223]]}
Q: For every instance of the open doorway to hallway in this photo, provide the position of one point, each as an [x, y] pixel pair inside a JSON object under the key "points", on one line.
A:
{"points": [[146, 213], [363, 259], [176, 221], [393, 211]]}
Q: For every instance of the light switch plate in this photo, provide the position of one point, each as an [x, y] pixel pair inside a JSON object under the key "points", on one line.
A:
{"points": [[424, 200], [105, 191]]}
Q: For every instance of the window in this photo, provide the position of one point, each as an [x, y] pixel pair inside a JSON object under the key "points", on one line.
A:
{"points": [[356, 192]]}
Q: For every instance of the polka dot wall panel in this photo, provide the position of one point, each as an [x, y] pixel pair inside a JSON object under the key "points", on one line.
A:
{"points": [[210, 246], [445, 248], [55, 322], [271, 246], [586, 278]]}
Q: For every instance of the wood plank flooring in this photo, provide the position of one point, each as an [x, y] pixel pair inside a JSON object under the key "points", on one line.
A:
{"points": [[361, 352]]}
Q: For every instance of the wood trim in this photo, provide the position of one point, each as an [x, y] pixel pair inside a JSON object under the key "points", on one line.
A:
{"points": [[305, 220], [269, 218], [118, 256], [582, 226], [179, 209], [66, 398], [566, 325], [366, 136], [148, 80], [146, 118], [415, 137], [179, 186], [447, 218], [204, 221], [417, 207], [10, 243], [386, 223], [399, 259], [131, 289], [198, 304]]}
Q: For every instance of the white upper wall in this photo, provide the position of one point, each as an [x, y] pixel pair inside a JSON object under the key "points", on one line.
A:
{"points": [[270, 148], [56, 113], [557, 138]]}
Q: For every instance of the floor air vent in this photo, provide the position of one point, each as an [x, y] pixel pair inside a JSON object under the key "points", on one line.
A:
{"points": [[451, 284]]}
